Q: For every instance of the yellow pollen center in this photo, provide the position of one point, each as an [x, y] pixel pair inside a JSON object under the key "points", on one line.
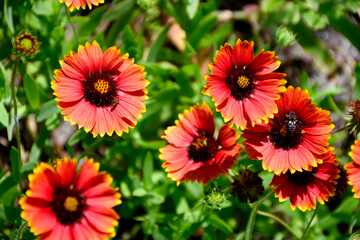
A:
{"points": [[199, 143], [243, 81], [102, 86], [26, 43], [71, 204], [283, 131]]}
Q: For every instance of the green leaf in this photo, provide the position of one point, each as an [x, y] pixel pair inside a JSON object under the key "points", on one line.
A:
{"points": [[167, 94], [139, 192], [9, 17], [4, 115], [313, 46], [156, 45], [31, 91], [43, 8], [69, 150], [117, 11], [77, 137], [192, 7], [314, 20], [217, 222], [2, 80], [148, 170], [48, 109], [357, 83], [80, 19], [284, 36], [268, 6], [14, 159], [38, 146]]}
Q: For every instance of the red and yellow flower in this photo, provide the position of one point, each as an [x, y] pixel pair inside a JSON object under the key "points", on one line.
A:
{"points": [[243, 87], [304, 188], [193, 153], [71, 4], [63, 203], [294, 139], [353, 169], [100, 92]]}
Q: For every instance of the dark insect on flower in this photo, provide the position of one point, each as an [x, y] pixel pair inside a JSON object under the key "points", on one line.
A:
{"points": [[292, 121]]}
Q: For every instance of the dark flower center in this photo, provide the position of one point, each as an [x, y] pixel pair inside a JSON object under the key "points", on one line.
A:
{"points": [[203, 148], [100, 89], [286, 131], [302, 178], [68, 206], [241, 82]]}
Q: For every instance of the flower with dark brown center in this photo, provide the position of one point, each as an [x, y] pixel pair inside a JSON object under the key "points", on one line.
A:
{"points": [[243, 86], [305, 187], [294, 139], [247, 186], [193, 153]]}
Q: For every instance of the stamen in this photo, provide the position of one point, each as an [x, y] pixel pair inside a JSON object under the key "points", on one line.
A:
{"points": [[200, 142], [283, 130], [71, 204], [102, 86], [243, 81]]}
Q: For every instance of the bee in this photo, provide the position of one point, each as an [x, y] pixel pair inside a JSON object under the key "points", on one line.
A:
{"points": [[291, 122]]}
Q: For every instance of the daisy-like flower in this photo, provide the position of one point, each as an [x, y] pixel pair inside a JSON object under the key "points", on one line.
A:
{"points": [[304, 188], [101, 92], [63, 203], [294, 139], [243, 87], [353, 168], [193, 153], [71, 4]]}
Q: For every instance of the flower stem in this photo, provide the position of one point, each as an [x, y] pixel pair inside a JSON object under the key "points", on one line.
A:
{"points": [[91, 146], [250, 225], [13, 96], [309, 223], [279, 220], [72, 24], [338, 130], [20, 230]]}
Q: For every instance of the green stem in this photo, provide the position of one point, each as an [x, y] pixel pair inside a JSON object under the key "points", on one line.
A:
{"points": [[20, 230], [99, 139], [72, 24], [279, 220], [309, 223], [13, 96], [251, 222]]}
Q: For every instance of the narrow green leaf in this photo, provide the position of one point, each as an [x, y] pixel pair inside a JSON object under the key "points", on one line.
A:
{"points": [[31, 91], [69, 150], [148, 170], [4, 115], [8, 17], [357, 83], [313, 46], [192, 7], [2, 80], [217, 222], [38, 146], [80, 19], [118, 10], [47, 110], [156, 45], [76, 137], [14, 159]]}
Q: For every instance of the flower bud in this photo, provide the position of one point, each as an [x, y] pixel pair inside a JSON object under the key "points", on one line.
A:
{"points": [[247, 186], [26, 44]]}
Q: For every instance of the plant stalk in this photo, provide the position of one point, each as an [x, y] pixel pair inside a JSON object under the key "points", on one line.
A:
{"points": [[72, 24], [16, 118], [309, 223]]}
